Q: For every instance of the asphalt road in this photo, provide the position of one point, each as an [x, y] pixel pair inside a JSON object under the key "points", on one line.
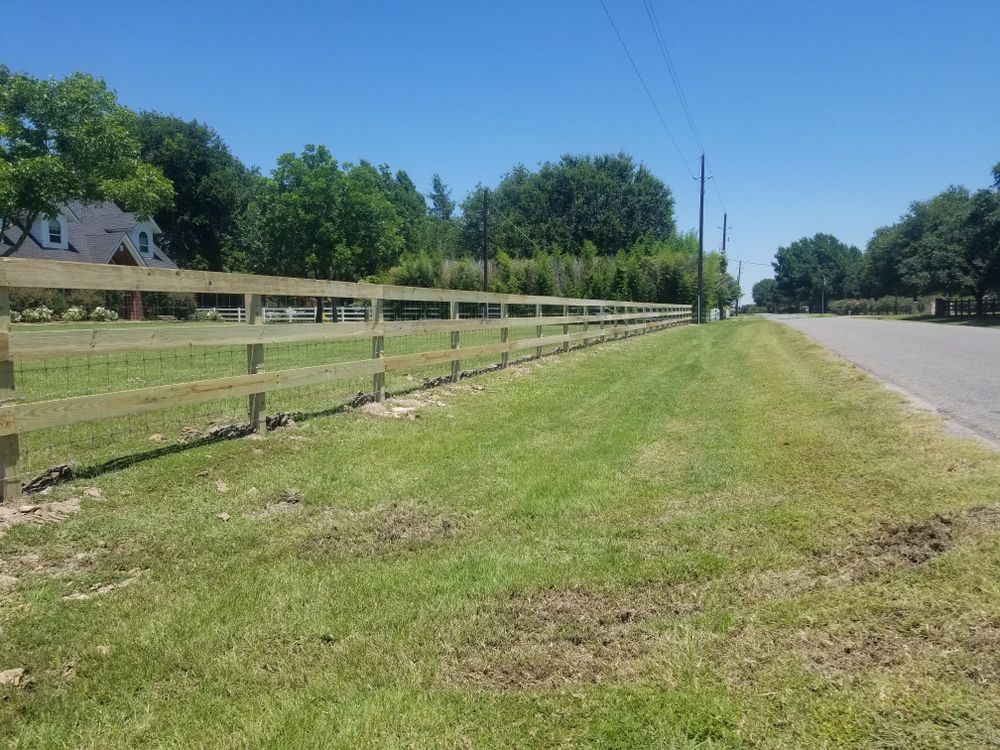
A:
{"points": [[954, 369]]}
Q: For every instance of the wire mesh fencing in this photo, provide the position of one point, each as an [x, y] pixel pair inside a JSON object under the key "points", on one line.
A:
{"points": [[151, 361]]}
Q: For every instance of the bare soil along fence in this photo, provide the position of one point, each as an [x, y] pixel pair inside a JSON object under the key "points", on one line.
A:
{"points": [[88, 394]]}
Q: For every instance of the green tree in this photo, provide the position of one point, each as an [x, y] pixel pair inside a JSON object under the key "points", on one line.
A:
{"points": [[545, 281], [442, 206], [324, 221], [765, 294], [880, 269], [69, 140], [815, 268], [211, 188], [608, 200]]}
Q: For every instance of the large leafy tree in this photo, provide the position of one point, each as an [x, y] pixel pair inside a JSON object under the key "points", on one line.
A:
{"points": [[211, 188], [880, 273], [607, 200], [812, 268], [69, 140], [765, 294], [323, 220], [949, 244]]}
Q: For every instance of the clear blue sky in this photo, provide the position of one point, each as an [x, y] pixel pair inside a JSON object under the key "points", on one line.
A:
{"points": [[816, 116]]}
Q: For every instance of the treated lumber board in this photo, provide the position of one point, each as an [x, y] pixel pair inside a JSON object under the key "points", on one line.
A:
{"points": [[43, 344], [39, 415], [256, 402], [456, 342], [20, 272], [10, 445], [378, 350]]}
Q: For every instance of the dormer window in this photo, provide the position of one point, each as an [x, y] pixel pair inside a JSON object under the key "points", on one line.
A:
{"points": [[143, 243], [55, 232]]}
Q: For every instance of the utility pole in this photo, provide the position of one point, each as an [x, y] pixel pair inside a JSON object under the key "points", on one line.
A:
{"points": [[486, 237], [739, 273], [725, 263], [701, 240]]}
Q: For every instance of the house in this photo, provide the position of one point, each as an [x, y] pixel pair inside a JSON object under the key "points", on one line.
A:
{"points": [[92, 233]]}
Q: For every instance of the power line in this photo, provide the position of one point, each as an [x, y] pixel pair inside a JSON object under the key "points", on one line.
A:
{"points": [[645, 88], [718, 193], [661, 42]]}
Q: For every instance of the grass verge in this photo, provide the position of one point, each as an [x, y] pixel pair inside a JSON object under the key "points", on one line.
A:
{"points": [[715, 537]]}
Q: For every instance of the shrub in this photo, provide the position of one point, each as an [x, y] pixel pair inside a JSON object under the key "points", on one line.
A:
{"points": [[23, 299], [40, 314], [74, 314], [57, 303], [103, 315], [181, 306], [15, 316], [207, 315], [88, 299]]}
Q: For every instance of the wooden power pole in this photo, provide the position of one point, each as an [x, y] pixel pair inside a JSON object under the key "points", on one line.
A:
{"points": [[486, 237], [701, 241]]}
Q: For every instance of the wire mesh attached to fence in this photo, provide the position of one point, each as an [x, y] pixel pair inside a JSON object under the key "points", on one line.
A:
{"points": [[210, 346]]}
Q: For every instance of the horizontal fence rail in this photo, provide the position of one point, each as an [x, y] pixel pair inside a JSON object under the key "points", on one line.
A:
{"points": [[375, 313]]}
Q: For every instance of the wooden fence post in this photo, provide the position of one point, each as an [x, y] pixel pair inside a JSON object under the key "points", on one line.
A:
{"points": [[565, 347], [255, 364], [586, 323], [378, 349], [10, 445], [538, 329], [504, 335], [456, 341]]}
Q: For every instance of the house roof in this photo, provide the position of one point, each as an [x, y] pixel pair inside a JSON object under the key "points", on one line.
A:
{"points": [[95, 231]]}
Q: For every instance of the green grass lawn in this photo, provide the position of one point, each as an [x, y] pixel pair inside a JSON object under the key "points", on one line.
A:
{"points": [[713, 537]]}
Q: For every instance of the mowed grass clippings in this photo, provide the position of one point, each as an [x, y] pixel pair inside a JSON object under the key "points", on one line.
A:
{"points": [[714, 537]]}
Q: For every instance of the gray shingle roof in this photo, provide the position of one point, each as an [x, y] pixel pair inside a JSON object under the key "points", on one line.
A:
{"points": [[95, 232]]}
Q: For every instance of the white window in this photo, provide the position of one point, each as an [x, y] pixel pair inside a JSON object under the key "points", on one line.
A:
{"points": [[143, 243], [55, 232]]}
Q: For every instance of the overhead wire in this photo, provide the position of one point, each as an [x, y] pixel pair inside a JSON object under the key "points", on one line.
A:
{"points": [[645, 88], [661, 42]]}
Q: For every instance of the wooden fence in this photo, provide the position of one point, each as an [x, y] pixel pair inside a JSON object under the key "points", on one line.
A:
{"points": [[947, 308], [594, 321]]}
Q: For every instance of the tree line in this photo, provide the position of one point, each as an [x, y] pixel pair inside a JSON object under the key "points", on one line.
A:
{"points": [[948, 245], [585, 225]]}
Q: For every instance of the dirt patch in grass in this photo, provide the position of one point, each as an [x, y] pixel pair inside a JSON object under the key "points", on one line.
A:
{"points": [[99, 589], [893, 548], [382, 530], [57, 564], [400, 408], [37, 513], [904, 639], [281, 503], [914, 543], [571, 635]]}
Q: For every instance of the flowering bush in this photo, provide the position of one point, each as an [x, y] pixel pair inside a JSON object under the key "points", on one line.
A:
{"points": [[74, 314], [15, 316], [207, 315], [103, 315], [36, 315]]}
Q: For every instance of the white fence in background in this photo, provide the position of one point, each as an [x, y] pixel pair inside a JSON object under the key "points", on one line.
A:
{"points": [[343, 314], [290, 314]]}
